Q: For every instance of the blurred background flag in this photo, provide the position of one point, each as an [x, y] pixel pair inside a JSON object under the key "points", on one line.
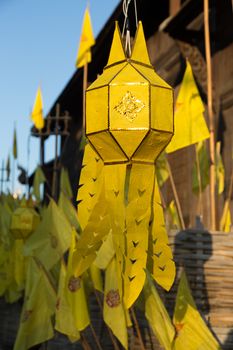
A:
{"points": [[8, 168], [37, 112], [86, 41], [15, 150], [189, 123]]}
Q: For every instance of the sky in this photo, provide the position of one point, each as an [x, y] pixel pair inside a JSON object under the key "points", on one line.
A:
{"points": [[38, 46]]}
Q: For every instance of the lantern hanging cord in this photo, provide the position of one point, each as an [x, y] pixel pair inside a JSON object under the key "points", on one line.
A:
{"points": [[126, 26]]}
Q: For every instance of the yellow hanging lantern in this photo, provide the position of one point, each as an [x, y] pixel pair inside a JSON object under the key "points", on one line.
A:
{"points": [[129, 108], [129, 122], [24, 221]]}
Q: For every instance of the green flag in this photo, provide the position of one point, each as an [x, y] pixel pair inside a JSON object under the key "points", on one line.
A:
{"points": [[65, 183], [204, 166], [161, 169], [15, 151], [38, 179], [8, 168]]}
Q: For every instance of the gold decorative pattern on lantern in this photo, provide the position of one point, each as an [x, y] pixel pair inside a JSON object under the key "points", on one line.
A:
{"points": [[74, 284], [113, 298], [129, 106]]}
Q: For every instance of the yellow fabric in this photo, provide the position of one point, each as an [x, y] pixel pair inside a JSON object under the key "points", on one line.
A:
{"points": [[105, 253], [37, 112], [52, 237], [114, 313], [39, 306], [220, 171], [90, 184], [65, 183], [114, 182], [96, 277], [189, 124], [91, 239], [157, 316], [138, 214], [76, 296], [86, 41], [191, 330], [64, 319], [163, 265], [39, 178], [225, 222]]}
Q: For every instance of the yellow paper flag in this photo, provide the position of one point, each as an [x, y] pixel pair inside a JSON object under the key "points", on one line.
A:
{"points": [[225, 222], [37, 112], [220, 171], [52, 237], [157, 315], [114, 313], [75, 293], [191, 331], [39, 306], [86, 41], [189, 124], [65, 322]]}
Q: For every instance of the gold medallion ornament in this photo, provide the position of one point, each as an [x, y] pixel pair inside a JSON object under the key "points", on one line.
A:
{"points": [[74, 284], [113, 298], [129, 122], [129, 106]]}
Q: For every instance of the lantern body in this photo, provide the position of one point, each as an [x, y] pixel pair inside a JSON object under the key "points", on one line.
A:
{"points": [[24, 222], [129, 110]]}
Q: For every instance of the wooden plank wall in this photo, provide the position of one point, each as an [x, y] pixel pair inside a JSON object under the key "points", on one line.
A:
{"points": [[208, 261]]}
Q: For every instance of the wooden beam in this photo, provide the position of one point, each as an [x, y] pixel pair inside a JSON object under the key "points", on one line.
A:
{"points": [[174, 7]]}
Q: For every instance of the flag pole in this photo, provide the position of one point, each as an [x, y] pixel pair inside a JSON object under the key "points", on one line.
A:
{"points": [[55, 164], [85, 77], [142, 346], [210, 113], [177, 201], [200, 197], [41, 147]]}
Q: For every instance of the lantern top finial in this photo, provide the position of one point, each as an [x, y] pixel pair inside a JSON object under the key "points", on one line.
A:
{"points": [[117, 52], [139, 54]]}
